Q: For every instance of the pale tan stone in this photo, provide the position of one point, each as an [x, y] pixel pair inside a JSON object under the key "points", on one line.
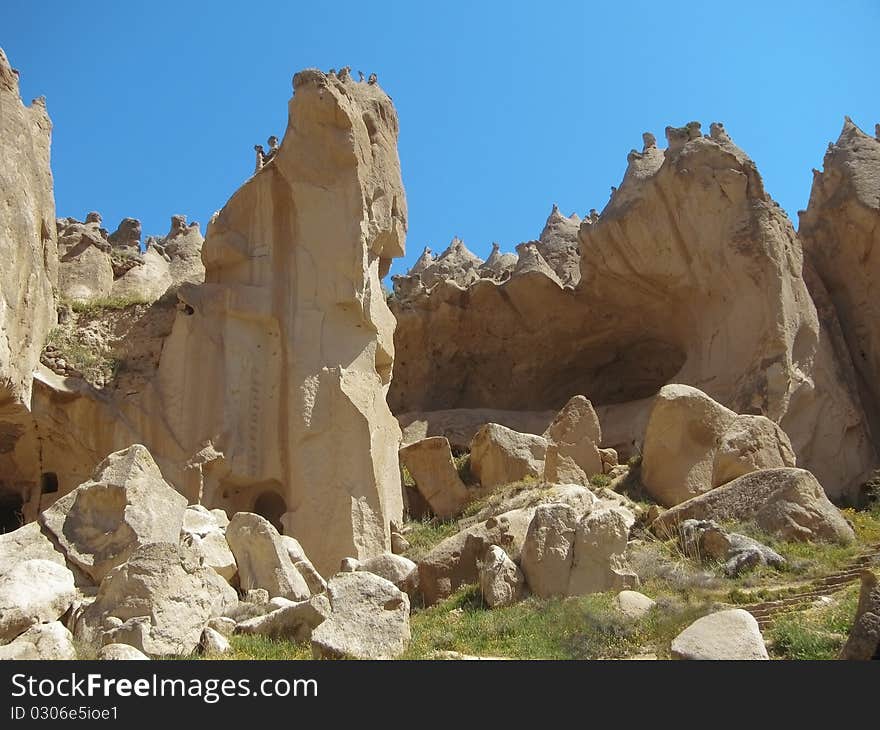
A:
{"points": [[430, 463], [501, 456]]}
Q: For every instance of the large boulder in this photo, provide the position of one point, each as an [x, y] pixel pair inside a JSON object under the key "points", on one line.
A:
{"points": [[125, 505], [500, 455], [707, 541], [26, 543], [787, 503], [159, 601], [295, 621], [501, 581], [203, 534], [369, 619], [120, 652], [314, 580], [863, 641], [571, 554], [42, 641], [453, 562], [573, 444], [401, 571], [430, 463], [694, 444], [33, 592], [263, 559], [732, 634]]}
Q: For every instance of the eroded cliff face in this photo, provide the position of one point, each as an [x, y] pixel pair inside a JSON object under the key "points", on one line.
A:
{"points": [[270, 390], [840, 230], [692, 274], [28, 274]]}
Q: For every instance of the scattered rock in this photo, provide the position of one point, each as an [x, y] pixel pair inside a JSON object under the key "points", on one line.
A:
{"points": [[303, 565], [262, 557], [430, 463], [705, 539], [33, 592], [864, 636], [399, 544], [633, 604], [369, 619], [573, 438], [500, 455], [401, 571], [213, 643], [732, 635], [549, 549], [501, 581], [120, 652], [26, 543], [787, 503], [223, 625], [296, 621], [127, 504], [42, 641]]}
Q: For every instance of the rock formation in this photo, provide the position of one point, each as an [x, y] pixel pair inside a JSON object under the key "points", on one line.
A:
{"points": [[691, 274], [28, 276], [840, 230]]}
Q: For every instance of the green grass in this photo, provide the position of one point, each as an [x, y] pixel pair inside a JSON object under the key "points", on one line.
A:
{"points": [[94, 363], [600, 480], [104, 303], [424, 535], [818, 633], [252, 646]]}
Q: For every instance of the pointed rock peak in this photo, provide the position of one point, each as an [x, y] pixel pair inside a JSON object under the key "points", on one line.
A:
{"points": [[120, 467], [423, 262], [94, 217], [531, 260], [850, 133], [649, 141], [718, 132], [458, 250], [8, 75], [495, 247]]}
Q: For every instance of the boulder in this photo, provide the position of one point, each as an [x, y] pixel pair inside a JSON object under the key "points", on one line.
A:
{"points": [[42, 641], [572, 444], [164, 599], [549, 549], [33, 592], [430, 463], [599, 555], [126, 504], [263, 559], [453, 562], [706, 540], [120, 652], [401, 571], [296, 621], [399, 544], [863, 641], [314, 580], [633, 604], [500, 455], [787, 503], [26, 543], [223, 625], [213, 550], [731, 634], [694, 444], [369, 619], [213, 643], [502, 583]]}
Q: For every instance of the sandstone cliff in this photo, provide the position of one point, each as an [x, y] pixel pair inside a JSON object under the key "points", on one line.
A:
{"points": [[28, 274], [269, 394], [840, 230], [691, 274]]}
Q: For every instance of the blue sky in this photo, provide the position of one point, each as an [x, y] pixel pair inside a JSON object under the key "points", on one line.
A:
{"points": [[505, 108]]}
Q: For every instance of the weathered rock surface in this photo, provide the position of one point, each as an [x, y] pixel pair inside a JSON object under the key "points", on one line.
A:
{"points": [[28, 276], [453, 562], [732, 634], [126, 504], [120, 652], [33, 592], [549, 549], [502, 583], [840, 230], [864, 636], [369, 619], [203, 534], [262, 558], [213, 643], [460, 425], [558, 245], [400, 571], [707, 540], [633, 604], [430, 463], [314, 580], [501, 456], [26, 543], [692, 228], [159, 601], [693, 444], [573, 439], [50, 641], [296, 621], [788, 503]]}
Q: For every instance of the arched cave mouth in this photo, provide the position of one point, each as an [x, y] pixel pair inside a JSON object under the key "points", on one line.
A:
{"points": [[11, 506], [540, 377], [272, 506]]}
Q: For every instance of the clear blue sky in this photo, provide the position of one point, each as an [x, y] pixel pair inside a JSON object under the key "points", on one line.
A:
{"points": [[505, 108]]}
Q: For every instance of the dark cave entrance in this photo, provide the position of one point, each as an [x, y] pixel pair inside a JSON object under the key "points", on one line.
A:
{"points": [[271, 506], [10, 512], [49, 483]]}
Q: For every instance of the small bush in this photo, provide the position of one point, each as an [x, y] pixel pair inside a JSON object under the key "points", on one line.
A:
{"points": [[600, 480], [97, 305]]}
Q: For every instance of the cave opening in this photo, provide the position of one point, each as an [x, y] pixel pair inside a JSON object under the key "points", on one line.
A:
{"points": [[11, 518], [48, 482], [272, 506]]}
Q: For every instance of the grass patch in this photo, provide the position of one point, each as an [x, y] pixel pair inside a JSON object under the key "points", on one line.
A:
{"points": [[600, 480], [98, 305], [424, 535], [253, 646], [95, 363], [818, 633], [463, 467]]}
